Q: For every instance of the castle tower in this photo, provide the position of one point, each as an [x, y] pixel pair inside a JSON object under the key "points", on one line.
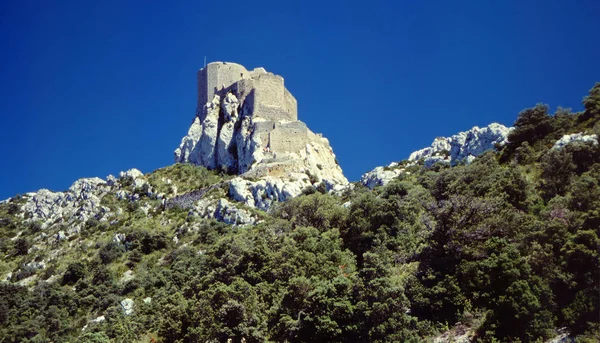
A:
{"points": [[264, 93], [215, 77]]}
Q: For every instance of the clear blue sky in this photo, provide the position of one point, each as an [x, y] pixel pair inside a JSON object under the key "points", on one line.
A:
{"points": [[89, 88]]}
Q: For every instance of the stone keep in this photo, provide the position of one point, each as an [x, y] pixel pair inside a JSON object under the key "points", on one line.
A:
{"points": [[264, 93], [247, 123]]}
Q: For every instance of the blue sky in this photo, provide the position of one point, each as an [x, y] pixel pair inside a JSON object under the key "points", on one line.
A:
{"points": [[89, 88]]}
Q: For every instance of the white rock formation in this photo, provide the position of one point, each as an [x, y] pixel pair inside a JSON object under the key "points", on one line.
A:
{"points": [[226, 144], [575, 137], [263, 193], [462, 147], [127, 305], [224, 211], [132, 173], [96, 320], [79, 203], [381, 175]]}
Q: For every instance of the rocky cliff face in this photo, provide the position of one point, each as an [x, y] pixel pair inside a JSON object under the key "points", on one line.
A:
{"points": [[461, 147]]}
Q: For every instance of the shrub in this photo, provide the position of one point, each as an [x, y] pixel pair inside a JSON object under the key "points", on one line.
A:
{"points": [[110, 252], [75, 272], [22, 246], [13, 208]]}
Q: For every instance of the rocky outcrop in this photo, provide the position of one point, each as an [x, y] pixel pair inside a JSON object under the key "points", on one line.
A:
{"points": [[462, 147], [223, 211], [575, 138], [381, 175], [127, 305], [79, 203]]}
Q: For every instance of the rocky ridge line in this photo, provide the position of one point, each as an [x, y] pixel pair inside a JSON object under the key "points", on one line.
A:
{"points": [[462, 147]]}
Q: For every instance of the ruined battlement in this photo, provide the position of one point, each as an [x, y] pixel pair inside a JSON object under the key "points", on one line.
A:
{"points": [[264, 93]]}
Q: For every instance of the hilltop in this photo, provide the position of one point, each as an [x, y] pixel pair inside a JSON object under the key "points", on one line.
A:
{"points": [[255, 235]]}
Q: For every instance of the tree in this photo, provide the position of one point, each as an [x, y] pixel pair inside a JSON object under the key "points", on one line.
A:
{"points": [[75, 272], [592, 105], [22, 246], [531, 126], [557, 170]]}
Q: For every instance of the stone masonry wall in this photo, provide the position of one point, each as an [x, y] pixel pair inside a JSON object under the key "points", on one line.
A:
{"points": [[264, 94], [216, 76], [270, 100], [288, 137]]}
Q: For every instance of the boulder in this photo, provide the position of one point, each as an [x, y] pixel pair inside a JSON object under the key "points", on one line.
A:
{"points": [[127, 305], [574, 138]]}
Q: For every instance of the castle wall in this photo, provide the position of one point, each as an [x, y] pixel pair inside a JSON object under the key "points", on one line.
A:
{"points": [[271, 101], [262, 129], [290, 103], [288, 137], [263, 93], [216, 76]]}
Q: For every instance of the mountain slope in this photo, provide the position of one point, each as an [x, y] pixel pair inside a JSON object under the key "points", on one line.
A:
{"points": [[505, 245]]}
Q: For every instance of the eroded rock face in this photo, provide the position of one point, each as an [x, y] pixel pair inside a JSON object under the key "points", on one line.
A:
{"points": [[249, 127], [574, 138], [462, 147], [81, 202], [223, 211], [380, 176]]}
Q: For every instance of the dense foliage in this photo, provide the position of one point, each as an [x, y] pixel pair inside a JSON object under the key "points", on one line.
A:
{"points": [[507, 246]]}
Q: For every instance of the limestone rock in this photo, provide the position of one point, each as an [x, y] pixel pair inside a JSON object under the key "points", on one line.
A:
{"points": [[226, 159], [119, 238], [224, 211], [186, 151], [462, 147], [111, 180], [210, 130], [98, 319], [380, 176], [132, 173], [127, 305], [93, 321], [60, 236], [575, 137], [81, 202], [263, 193]]}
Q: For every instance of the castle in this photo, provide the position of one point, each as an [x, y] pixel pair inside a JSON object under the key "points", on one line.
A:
{"points": [[247, 123], [264, 96]]}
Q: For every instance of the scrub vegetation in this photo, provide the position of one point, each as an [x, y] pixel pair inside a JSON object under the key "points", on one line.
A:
{"points": [[506, 247]]}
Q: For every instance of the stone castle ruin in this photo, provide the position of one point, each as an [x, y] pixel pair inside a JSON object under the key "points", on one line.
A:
{"points": [[264, 93], [247, 123]]}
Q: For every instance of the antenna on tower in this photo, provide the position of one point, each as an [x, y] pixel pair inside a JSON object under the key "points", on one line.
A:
{"points": [[204, 61]]}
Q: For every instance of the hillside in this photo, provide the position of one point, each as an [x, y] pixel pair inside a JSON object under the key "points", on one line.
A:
{"points": [[501, 246]]}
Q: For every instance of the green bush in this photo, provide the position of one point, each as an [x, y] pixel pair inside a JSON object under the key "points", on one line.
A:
{"points": [[75, 272]]}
